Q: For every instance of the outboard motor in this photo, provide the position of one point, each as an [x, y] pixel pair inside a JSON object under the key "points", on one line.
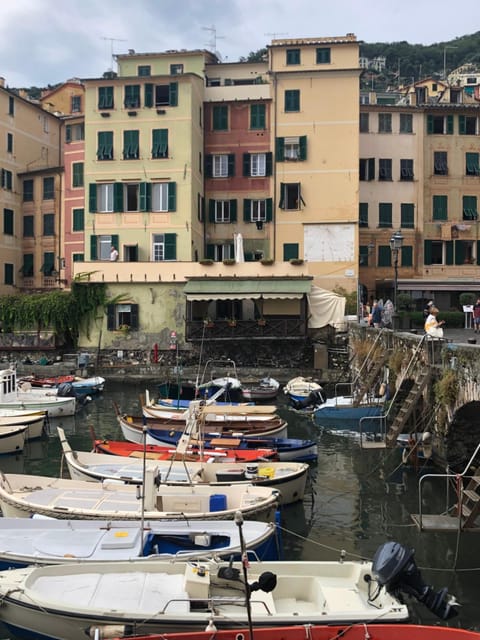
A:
{"points": [[394, 568], [65, 390], [314, 399]]}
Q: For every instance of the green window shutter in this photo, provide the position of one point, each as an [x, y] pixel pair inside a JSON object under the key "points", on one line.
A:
{"points": [[68, 133], [246, 164], [268, 209], [363, 255], [450, 125], [28, 265], [407, 215], [173, 94], [427, 252], [92, 197], [159, 143], [469, 205], [363, 214], [170, 246], [172, 196], [459, 252], [210, 251], [211, 210], [290, 251], [303, 148], [77, 176], [115, 241], [439, 206], [233, 210], [384, 256], [142, 196], [449, 252], [110, 317], [78, 220], [134, 317], [247, 208], [385, 214], [407, 256], [461, 125], [280, 149], [371, 168], [93, 248], [209, 165], [231, 165], [268, 163], [478, 251], [148, 94], [257, 116], [281, 204], [117, 196], [429, 124]]}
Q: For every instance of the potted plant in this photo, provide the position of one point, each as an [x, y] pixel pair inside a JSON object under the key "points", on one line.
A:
{"points": [[296, 261], [208, 323], [261, 322], [206, 261], [232, 322], [124, 328], [267, 261], [229, 261]]}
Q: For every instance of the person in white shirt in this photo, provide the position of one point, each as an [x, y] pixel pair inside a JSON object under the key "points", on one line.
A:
{"points": [[113, 254], [433, 327]]}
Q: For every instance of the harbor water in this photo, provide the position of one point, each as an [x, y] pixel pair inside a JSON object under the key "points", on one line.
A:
{"points": [[360, 499]]}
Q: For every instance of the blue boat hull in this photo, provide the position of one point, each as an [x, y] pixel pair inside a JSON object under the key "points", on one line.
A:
{"points": [[347, 418]]}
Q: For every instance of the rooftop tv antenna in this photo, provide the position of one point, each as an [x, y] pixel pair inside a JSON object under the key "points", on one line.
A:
{"points": [[212, 45], [112, 40], [275, 34]]}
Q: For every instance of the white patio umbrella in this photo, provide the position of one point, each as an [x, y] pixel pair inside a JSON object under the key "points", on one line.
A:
{"points": [[238, 247]]}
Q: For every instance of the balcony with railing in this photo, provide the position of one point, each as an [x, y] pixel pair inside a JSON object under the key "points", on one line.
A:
{"points": [[263, 329]]}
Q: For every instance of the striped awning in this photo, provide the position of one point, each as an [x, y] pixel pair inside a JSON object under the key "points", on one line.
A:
{"points": [[246, 289]]}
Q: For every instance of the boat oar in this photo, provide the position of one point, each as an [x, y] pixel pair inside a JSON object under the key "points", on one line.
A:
{"points": [[239, 522]]}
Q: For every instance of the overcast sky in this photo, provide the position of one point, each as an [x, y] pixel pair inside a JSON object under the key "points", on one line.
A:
{"points": [[49, 41]]}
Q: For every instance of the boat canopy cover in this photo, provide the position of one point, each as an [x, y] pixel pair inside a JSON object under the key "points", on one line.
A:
{"points": [[247, 288]]}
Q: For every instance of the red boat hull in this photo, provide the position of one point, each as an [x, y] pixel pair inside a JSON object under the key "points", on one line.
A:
{"points": [[157, 452], [350, 632]]}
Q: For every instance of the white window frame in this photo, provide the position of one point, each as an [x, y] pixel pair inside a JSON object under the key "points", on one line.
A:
{"points": [[222, 252], [258, 165], [291, 148], [220, 165], [159, 197], [222, 211], [105, 197], [158, 247], [258, 211], [104, 247]]}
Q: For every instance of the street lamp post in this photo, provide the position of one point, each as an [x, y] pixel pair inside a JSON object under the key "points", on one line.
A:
{"points": [[396, 243]]}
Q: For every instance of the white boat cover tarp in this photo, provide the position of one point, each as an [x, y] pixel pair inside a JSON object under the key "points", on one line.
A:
{"points": [[325, 307]]}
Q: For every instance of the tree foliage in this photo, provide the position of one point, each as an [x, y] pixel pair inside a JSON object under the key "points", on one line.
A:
{"points": [[255, 56]]}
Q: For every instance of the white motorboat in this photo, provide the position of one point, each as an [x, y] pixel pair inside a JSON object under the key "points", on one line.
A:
{"points": [[35, 421], [25, 495], [25, 541], [12, 439], [11, 397], [78, 601], [300, 388], [289, 478], [265, 389]]}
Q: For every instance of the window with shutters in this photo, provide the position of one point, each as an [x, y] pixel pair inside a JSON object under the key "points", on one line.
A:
{"points": [[105, 145], [28, 190], [161, 95], [406, 253], [8, 273], [440, 163], [144, 70], [257, 116], [74, 132], [363, 214], [291, 149], [258, 164], [222, 211], [105, 197], [120, 316], [105, 243], [131, 145], [439, 124], [385, 215], [220, 165], [292, 56], [292, 100], [27, 267], [472, 164], [290, 196], [164, 247], [159, 143], [176, 69], [384, 169], [9, 142], [384, 256], [407, 212], [323, 55], [290, 251], [220, 118], [132, 96], [406, 170], [105, 98], [219, 252], [131, 193], [6, 179], [440, 208], [364, 122], [406, 123], [78, 220], [11, 106], [76, 104], [160, 196], [78, 257], [48, 264], [77, 174], [8, 222], [258, 211], [48, 188], [49, 224], [367, 169], [468, 125], [384, 123], [28, 227], [469, 207]]}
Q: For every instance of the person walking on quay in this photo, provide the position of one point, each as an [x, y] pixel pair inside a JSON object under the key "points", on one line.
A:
{"points": [[476, 316], [434, 327], [376, 315]]}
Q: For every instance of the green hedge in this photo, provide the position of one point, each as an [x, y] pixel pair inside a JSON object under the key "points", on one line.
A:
{"points": [[453, 319]]}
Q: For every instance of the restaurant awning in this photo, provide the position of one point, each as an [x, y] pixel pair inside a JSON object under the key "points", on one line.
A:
{"points": [[246, 289]]}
